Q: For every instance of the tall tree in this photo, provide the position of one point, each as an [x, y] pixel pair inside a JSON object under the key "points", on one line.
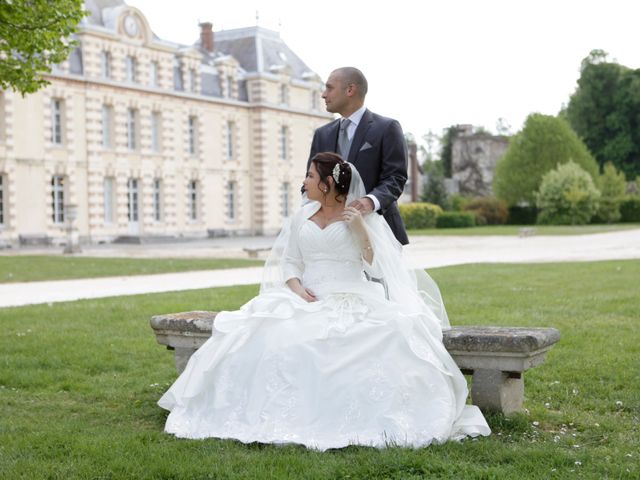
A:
{"points": [[542, 144], [34, 35], [604, 112], [446, 141]]}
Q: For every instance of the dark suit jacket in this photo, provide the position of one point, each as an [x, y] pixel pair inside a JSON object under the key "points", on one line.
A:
{"points": [[379, 152]]}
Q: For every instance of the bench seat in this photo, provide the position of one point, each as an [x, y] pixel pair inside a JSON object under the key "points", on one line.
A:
{"points": [[496, 357]]}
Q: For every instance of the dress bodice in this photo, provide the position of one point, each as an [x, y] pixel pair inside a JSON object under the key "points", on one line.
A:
{"points": [[329, 254]]}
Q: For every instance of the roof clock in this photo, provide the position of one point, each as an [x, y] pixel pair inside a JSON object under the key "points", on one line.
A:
{"points": [[131, 25]]}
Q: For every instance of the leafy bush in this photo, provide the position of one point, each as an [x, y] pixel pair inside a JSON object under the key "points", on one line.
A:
{"points": [[612, 185], [419, 215], [457, 202], [567, 196], [544, 143], [488, 210], [521, 215], [630, 209], [435, 191], [455, 220]]}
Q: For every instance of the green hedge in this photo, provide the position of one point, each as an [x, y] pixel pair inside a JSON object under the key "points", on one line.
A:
{"points": [[522, 215], [488, 210], [419, 215], [630, 209], [455, 220]]}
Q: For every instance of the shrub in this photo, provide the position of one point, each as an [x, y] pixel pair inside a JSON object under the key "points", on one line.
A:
{"points": [[522, 215], [419, 215], [567, 196], [544, 143], [457, 202], [488, 210], [630, 209], [435, 191], [455, 220], [612, 185]]}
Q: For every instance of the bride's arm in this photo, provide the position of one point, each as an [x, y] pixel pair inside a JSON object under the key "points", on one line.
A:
{"points": [[359, 228], [293, 266], [297, 288]]}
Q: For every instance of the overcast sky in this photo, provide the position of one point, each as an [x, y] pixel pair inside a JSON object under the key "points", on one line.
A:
{"points": [[431, 64]]}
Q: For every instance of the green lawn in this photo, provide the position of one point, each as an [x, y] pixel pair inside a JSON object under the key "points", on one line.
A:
{"points": [[515, 229], [79, 382], [56, 267]]}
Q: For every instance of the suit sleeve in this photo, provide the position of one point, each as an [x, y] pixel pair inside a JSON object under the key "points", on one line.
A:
{"points": [[315, 148], [393, 166]]}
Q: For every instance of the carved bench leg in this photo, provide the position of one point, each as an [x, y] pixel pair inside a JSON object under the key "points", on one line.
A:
{"points": [[182, 355], [493, 390]]}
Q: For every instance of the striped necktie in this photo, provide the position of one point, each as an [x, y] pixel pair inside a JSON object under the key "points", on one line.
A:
{"points": [[344, 144]]}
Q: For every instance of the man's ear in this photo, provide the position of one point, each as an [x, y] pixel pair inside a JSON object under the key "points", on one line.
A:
{"points": [[351, 90]]}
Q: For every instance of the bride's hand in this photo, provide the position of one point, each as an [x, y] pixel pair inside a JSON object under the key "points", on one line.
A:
{"points": [[308, 295], [353, 218]]}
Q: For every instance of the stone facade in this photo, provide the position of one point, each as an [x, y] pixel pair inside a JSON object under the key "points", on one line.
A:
{"points": [[473, 160], [152, 138]]}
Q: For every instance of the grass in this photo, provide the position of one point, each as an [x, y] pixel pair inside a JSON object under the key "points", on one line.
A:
{"points": [[515, 229], [79, 382], [51, 267]]}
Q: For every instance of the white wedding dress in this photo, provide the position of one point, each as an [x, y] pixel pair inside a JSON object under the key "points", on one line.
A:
{"points": [[350, 368]]}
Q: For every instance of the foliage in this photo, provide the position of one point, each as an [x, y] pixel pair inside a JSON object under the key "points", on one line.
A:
{"points": [[604, 112], [34, 35], [455, 220], [522, 215], [419, 215], [457, 201], [567, 196], [630, 209], [80, 380], [488, 210], [434, 190], [448, 136], [612, 185], [542, 144]]}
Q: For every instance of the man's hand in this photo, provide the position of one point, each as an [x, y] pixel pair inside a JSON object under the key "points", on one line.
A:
{"points": [[364, 205]]}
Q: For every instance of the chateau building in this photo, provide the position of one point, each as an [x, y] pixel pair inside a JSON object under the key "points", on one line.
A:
{"points": [[139, 136], [474, 155]]}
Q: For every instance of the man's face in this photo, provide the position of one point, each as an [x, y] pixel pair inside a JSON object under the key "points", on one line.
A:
{"points": [[335, 93]]}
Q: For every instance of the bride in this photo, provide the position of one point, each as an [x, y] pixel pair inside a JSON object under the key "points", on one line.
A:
{"points": [[323, 356]]}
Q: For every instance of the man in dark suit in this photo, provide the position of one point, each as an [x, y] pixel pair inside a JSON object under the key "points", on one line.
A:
{"points": [[373, 143]]}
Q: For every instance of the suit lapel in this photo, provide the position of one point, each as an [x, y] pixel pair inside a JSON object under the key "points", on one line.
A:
{"points": [[358, 137], [332, 136]]}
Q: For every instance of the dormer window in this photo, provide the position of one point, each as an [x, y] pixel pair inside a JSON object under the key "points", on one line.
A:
{"points": [[229, 92]]}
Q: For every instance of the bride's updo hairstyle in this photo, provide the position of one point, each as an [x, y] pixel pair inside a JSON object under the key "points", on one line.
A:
{"points": [[325, 163]]}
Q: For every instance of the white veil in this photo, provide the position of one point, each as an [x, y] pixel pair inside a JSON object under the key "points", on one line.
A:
{"points": [[414, 289]]}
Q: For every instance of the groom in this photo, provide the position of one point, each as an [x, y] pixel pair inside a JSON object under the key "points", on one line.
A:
{"points": [[374, 144]]}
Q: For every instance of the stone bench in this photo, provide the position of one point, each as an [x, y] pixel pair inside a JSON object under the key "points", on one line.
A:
{"points": [[496, 357], [526, 232], [253, 252]]}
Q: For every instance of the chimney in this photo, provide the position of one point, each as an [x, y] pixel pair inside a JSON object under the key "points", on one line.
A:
{"points": [[206, 36]]}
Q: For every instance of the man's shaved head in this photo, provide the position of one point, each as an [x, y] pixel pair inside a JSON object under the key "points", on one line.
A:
{"points": [[351, 75]]}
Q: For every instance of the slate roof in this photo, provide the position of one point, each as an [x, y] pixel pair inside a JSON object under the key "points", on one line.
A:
{"points": [[259, 50]]}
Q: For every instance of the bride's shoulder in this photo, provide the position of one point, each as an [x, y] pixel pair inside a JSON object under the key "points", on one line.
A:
{"points": [[305, 212]]}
